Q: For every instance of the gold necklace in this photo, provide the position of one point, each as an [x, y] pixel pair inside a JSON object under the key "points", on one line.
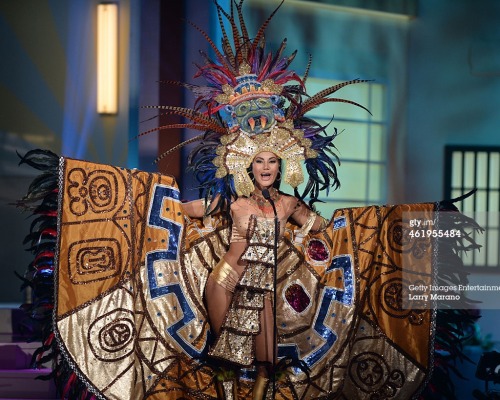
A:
{"points": [[261, 202]]}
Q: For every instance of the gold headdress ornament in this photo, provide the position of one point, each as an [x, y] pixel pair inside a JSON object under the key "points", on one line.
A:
{"points": [[236, 152]]}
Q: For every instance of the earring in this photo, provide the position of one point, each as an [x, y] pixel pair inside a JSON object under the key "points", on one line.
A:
{"points": [[278, 177]]}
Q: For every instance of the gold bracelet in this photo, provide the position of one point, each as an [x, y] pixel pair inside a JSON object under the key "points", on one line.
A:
{"points": [[323, 224], [304, 230]]}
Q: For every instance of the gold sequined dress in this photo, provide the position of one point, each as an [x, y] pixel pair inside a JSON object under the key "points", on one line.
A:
{"points": [[236, 343]]}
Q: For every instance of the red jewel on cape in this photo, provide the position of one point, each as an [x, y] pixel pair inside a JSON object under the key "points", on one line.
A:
{"points": [[297, 297], [316, 250]]}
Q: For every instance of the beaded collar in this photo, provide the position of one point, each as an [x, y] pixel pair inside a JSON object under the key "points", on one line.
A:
{"points": [[263, 204]]}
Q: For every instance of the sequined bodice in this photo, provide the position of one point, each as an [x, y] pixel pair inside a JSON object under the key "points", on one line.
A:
{"points": [[242, 212]]}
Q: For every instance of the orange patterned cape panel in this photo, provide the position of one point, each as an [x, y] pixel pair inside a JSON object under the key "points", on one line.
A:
{"points": [[132, 268]]}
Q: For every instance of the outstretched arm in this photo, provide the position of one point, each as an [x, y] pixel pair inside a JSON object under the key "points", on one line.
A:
{"points": [[307, 218], [195, 208], [199, 208]]}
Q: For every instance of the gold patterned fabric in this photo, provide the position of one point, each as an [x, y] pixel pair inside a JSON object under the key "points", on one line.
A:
{"points": [[130, 317]]}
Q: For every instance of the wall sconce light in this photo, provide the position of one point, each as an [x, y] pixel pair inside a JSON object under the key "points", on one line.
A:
{"points": [[107, 58]]}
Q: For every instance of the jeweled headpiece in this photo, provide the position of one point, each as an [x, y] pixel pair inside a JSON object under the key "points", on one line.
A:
{"points": [[237, 151], [247, 87], [250, 104]]}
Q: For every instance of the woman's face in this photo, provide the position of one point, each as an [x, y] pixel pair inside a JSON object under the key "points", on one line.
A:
{"points": [[265, 169]]}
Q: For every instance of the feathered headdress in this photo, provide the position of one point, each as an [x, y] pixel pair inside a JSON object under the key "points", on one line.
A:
{"points": [[252, 102]]}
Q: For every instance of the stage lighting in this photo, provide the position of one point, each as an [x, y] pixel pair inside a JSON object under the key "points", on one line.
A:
{"points": [[107, 58]]}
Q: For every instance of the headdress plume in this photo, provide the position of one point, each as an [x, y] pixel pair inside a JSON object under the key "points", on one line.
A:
{"points": [[243, 75]]}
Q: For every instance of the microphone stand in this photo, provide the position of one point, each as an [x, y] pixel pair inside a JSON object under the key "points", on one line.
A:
{"points": [[267, 196]]}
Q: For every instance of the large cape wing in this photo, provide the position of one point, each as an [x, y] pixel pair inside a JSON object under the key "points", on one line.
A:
{"points": [[341, 311], [129, 316]]}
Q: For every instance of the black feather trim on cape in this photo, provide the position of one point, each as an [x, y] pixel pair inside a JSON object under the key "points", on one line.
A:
{"points": [[42, 201]]}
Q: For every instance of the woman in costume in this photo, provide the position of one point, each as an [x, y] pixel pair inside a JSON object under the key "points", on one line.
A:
{"points": [[237, 264], [137, 280], [247, 127]]}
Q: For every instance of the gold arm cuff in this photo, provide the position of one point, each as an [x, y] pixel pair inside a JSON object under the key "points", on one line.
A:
{"points": [[304, 230], [324, 223], [225, 275]]}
